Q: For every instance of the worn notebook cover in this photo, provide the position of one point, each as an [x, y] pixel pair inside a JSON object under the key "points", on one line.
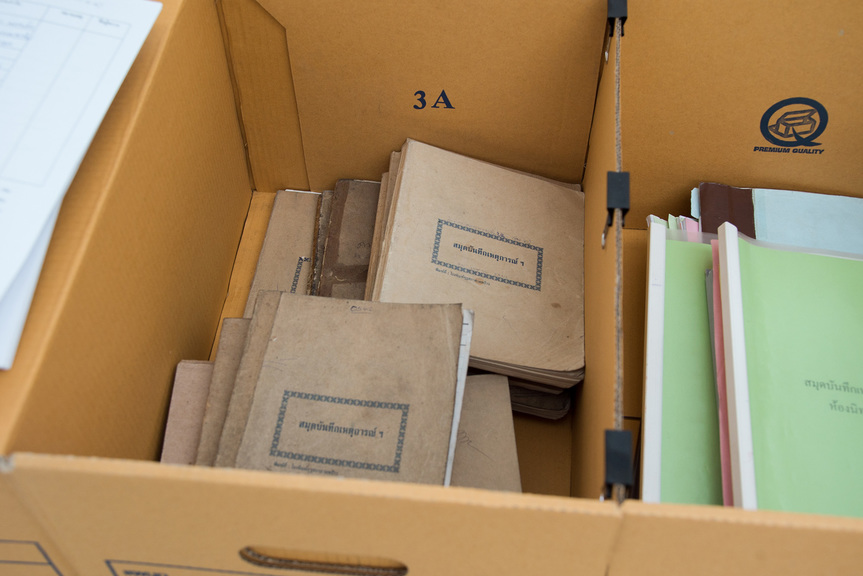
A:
{"points": [[232, 340], [507, 244], [286, 258], [324, 209], [486, 456], [348, 244], [548, 402], [355, 388], [189, 396], [388, 182], [247, 377]]}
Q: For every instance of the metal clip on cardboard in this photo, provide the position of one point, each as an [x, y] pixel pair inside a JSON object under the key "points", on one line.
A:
{"points": [[618, 464], [616, 9], [617, 198]]}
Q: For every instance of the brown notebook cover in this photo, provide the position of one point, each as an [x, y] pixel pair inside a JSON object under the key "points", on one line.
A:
{"points": [[186, 412], [247, 377], [232, 339], [508, 245], [358, 389], [486, 456], [722, 203], [324, 210], [286, 258], [348, 245], [388, 182]]}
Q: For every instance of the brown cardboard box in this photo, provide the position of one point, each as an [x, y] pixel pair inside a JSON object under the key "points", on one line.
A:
{"points": [[140, 264]]}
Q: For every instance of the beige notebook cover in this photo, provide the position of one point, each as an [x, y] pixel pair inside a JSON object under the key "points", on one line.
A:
{"points": [[186, 412], [286, 258], [486, 456], [348, 245], [506, 244], [247, 377], [358, 389], [388, 184], [232, 340]]}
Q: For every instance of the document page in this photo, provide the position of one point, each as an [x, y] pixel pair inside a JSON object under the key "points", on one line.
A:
{"points": [[61, 64]]}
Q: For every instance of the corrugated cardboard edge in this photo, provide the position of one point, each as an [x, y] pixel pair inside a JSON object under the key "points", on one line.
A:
{"points": [[175, 505], [386, 519], [243, 271], [672, 539], [593, 401], [260, 68]]}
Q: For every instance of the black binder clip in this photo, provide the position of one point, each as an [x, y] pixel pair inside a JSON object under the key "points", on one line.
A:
{"points": [[617, 187], [618, 463], [616, 9]]}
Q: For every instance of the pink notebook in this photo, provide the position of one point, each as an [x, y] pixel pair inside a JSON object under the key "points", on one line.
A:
{"points": [[721, 396]]}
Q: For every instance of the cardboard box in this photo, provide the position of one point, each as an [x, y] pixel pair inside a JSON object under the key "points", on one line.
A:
{"points": [[257, 95]]}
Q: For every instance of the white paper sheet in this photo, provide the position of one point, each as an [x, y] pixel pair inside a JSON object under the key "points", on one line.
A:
{"points": [[61, 64]]}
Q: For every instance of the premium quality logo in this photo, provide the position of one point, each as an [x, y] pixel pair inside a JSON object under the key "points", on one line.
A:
{"points": [[792, 126]]}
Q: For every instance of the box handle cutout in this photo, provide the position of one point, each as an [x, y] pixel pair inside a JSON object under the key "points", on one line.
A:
{"points": [[322, 562]]}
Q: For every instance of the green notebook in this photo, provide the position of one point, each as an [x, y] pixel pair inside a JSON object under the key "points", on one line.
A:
{"points": [[794, 324], [681, 462]]}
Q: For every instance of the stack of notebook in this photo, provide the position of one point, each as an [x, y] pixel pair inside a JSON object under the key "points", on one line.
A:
{"points": [[506, 244], [313, 381], [752, 361]]}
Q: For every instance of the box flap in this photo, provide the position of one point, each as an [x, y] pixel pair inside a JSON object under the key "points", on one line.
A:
{"points": [[515, 87], [138, 265], [142, 513], [668, 540]]}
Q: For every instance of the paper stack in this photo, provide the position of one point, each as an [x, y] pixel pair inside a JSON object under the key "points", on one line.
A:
{"points": [[752, 356], [507, 245]]}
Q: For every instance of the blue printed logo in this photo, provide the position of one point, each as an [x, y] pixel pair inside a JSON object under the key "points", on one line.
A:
{"points": [[794, 122]]}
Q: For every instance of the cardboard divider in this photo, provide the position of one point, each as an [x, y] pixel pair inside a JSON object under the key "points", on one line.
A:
{"points": [[264, 91], [593, 404], [142, 515], [698, 77]]}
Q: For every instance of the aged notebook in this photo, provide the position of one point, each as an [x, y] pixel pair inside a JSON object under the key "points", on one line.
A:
{"points": [[246, 378], [508, 245], [358, 389], [286, 258], [188, 398], [324, 208], [348, 243], [486, 456], [790, 217], [232, 339]]}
